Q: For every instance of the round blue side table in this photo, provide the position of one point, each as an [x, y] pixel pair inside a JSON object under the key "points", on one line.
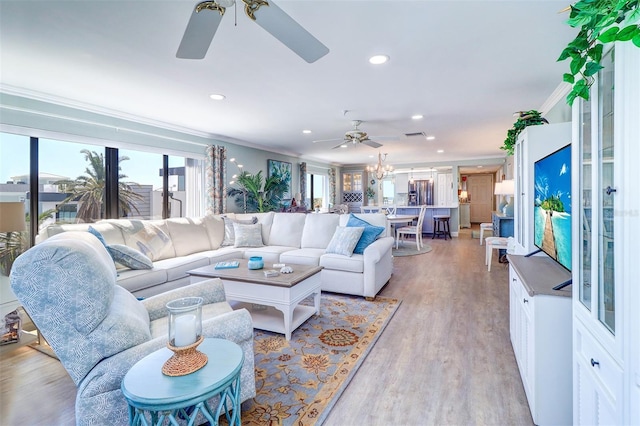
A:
{"points": [[154, 398]]}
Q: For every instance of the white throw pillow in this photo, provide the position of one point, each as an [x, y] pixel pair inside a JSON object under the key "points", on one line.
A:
{"points": [[344, 240], [247, 235]]}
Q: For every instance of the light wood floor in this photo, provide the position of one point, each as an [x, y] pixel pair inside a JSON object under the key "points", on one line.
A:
{"points": [[444, 359]]}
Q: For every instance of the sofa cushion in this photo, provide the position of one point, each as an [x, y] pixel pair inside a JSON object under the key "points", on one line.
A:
{"points": [[247, 235], [264, 219], [177, 267], [229, 233], [188, 235], [369, 234], [131, 258], [303, 256], [215, 230], [134, 280], [318, 230], [338, 262], [270, 254], [286, 229], [110, 233], [151, 237], [344, 240]]}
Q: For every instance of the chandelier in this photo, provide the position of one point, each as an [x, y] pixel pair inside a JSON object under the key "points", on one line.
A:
{"points": [[380, 171]]}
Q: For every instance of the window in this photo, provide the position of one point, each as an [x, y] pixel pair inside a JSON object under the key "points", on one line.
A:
{"points": [[317, 191], [14, 188], [140, 184], [71, 174]]}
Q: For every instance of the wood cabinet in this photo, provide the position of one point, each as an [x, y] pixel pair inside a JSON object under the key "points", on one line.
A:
{"points": [[605, 231], [540, 329]]}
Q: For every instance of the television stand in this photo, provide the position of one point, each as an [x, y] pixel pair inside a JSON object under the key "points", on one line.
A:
{"points": [[532, 253], [563, 284]]}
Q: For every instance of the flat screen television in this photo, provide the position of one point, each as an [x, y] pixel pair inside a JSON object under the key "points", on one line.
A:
{"points": [[552, 205]]}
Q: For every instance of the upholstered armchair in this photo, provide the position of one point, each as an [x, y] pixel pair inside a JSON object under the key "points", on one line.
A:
{"points": [[98, 330]]}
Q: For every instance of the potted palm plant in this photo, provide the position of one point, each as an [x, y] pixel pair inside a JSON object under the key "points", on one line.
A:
{"points": [[256, 194]]}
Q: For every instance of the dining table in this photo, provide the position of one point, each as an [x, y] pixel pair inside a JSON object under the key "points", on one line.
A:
{"points": [[395, 219]]}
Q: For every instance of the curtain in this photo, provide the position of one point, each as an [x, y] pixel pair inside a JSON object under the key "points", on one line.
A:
{"points": [[194, 187], [216, 179], [332, 186], [303, 182]]}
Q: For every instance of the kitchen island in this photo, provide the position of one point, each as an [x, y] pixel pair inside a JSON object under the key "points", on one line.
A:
{"points": [[427, 224]]}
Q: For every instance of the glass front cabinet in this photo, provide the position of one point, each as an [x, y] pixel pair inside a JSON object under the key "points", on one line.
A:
{"points": [[606, 235]]}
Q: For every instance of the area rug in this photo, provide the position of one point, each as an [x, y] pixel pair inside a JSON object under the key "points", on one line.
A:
{"points": [[409, 250], [299, 381]]}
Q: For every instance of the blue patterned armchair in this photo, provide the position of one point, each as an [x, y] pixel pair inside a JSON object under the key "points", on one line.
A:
{"points": [[98, 330]]}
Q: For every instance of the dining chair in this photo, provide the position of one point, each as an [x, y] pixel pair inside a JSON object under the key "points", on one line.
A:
{"points": [[369, 209], [389, 209], [413, 229]]}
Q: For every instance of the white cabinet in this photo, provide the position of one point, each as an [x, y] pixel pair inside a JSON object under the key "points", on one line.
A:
{"points": [[540, 328], [534, 143], [402, 185], [605, 230], [444, 191], [465, 215]]}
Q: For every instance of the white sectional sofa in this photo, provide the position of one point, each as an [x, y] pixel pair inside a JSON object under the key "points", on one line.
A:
{"points": [[178, 245]]}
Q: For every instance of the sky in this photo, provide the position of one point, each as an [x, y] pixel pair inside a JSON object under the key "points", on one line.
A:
{"points": [[65, 159]]}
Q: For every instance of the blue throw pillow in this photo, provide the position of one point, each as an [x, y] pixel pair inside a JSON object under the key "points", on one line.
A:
{"points": [[129, 257], [369, 235], [98, 235]]}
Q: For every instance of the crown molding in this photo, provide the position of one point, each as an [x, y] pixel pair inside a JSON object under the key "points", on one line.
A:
{"points": [[560, 93]]}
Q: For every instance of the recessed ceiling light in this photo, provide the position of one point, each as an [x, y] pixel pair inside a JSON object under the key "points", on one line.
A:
{"points": [[440, 151], [344, 145], [378, 59], [417, 117], [430, 137], [217, 97], [306, 132]]}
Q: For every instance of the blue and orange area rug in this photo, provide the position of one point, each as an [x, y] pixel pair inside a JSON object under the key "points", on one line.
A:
{"points": [[299, 381]]}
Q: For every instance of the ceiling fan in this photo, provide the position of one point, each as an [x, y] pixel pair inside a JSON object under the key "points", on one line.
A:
{"points": [[354, 136], [207, 15]]}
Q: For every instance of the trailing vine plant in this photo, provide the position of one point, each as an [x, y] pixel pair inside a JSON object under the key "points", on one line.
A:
{"points": [[600, 23], [525, 119]]}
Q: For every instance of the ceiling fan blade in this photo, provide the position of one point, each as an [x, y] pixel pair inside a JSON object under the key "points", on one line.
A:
{"points": [[371, 143], [200, 30], [342, 144], [327, 140], [280, 25]]}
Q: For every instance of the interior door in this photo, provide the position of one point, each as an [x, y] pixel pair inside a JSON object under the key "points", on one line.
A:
{"points": [[480, 190]]}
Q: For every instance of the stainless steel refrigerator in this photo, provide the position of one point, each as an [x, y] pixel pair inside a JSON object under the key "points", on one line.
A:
{"points": [[421, 192]]}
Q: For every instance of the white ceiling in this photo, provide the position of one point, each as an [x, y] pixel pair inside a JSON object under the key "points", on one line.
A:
{"points": [[465, 65]]}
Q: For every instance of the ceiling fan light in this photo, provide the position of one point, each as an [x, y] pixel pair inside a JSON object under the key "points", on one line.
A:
{"points": [[378, 59]]}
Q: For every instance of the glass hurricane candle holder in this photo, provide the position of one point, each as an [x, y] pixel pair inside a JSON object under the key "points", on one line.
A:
{"points": [[185, 334]]}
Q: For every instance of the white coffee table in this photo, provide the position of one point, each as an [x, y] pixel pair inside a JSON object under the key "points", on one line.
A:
{"points": [[269, 299]]}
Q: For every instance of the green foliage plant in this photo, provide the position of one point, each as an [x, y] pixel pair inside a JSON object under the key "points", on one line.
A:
{"points": [[525, 119], [371, 192], [600, 22], [262, 195], [13, 244]]}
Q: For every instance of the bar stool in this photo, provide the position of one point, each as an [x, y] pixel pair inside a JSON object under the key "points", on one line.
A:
{"points": [[439, 219], [485, 227], [494, 243]]}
